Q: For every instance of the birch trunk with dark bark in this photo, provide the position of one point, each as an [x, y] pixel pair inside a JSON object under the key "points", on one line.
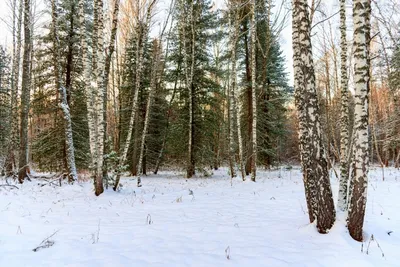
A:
{"points": [[360, 163], [313, 158]]}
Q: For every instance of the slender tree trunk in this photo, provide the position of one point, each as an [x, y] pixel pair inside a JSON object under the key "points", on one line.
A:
{"points": [[152, 89], [88, 87], [313, 158], [253, 91], [344, 109], [249, 104], [161, 153], [72, 173], [190, 169], [101, 92], [25, 95], [239, 134], [107, 65], [11, 163], [142, 38], [231, 92], [68, 74], [360, 164]]}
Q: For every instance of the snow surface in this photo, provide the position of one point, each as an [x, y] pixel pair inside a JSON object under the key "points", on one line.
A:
{"points": [[263, 223]]}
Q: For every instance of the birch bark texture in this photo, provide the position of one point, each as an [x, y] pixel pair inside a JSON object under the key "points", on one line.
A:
{"points": [[186, 20], [231, 92], [313, 159], [253, 31], [94, 90], [107, 65], [344, 118], [360, 164], [25, 95], [87, 84], [11, 163], [155, 70], [142, 33], [72, 173]]}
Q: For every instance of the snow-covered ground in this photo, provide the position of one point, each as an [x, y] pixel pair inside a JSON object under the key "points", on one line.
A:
{"points": [[164, 224]]}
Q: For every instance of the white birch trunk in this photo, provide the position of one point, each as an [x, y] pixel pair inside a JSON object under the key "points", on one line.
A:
{"points": [[111, 48], [11, 157], [72, 173], [314, 164], [344, 123], [360, 164], [141, 42], [253, 91], [87, 84], [183, 23], [153, 83], [232, 108], [25, 95], [100, 91]]}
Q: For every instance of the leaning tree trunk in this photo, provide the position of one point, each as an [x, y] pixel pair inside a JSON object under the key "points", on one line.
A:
{"points": [[344, 109], [360, 164], [253, 92], [70, 151], [25, 95], [142, 37], [314, 163], [152, 89]]}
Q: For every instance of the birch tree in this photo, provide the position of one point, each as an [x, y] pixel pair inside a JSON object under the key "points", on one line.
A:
{"points": [[231, 93], [94, 95], [72, 173], [16, 61], [25, 95], [233, 99], [189, 70], [142, 29], [107, 65], [344, 121], [360, 163], [153, 83], [313, 159], [253, 91]]}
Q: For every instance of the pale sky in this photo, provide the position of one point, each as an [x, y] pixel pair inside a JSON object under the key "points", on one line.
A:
{"points": [[285, 38]]}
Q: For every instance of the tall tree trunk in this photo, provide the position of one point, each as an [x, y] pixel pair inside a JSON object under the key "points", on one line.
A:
{"points": [[11, 163], [141, 42], [107, 65], [344, 109], [152, 89], [68, 73], [101, 91], [25, 95], [70, 151], [190, 168], [360, 164], [313, 158], [165, 135], [249, 102], [231, 92], [88, 86], [253, 92]]}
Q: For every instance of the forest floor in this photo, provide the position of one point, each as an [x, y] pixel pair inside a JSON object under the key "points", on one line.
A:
{"points": [[172, 221]]}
